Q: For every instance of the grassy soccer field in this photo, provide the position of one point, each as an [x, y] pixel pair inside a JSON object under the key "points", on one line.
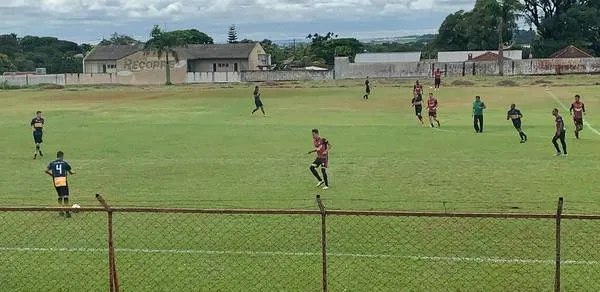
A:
{"points": [[198, 146]]}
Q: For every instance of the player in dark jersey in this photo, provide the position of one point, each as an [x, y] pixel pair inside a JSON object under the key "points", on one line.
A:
{"points": [[515, 116], [417, 89], [58, 170], [367, 89], [559, 133], [437, 79], [257, 102], [417, 103], [37, 125], [322, 148], [577, 110], [432, 105]]}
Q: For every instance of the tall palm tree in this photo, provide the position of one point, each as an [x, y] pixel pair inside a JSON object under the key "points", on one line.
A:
{"points": [[163, 43]]}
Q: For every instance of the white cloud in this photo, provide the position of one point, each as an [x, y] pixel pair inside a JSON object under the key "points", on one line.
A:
{"points": [[67, 15]]}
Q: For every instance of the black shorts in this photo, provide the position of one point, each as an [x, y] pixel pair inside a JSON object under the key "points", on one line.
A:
{"points": [[578, 122], [62, 192], [368, 90], [418, 110], [258, 103], [438, 81], [37, 137], [321, 162], [517, 124], [432, 114]]}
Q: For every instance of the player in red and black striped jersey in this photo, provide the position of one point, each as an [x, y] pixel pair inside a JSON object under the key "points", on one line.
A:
{"points": [[37, 125], [559, 133], [577, 110], [437, 79], [322, 148], [432, 105], [418, 89]]}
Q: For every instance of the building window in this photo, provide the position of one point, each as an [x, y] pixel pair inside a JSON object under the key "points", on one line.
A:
{"points": [[223, 65]]}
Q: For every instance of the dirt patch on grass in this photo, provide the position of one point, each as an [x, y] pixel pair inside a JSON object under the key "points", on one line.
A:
{"points": [[462, 83], [541, 81], [50, 86], [507, 83]]}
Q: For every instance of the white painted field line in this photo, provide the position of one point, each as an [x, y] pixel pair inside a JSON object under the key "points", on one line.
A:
{"points": [[567, 109], [278, 253]]}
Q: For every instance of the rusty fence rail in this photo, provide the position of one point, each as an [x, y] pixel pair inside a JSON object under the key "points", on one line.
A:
{"points": [[170, 249]]}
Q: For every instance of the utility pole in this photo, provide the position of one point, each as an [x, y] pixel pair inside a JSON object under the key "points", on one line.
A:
{"points": [[500, 43]]}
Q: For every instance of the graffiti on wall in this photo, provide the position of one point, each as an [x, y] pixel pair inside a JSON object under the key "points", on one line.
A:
{"points": [[146, 65], [560, 65]]}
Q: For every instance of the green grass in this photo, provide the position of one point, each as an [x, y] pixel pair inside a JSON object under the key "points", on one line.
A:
{"points": [[198, 146]]}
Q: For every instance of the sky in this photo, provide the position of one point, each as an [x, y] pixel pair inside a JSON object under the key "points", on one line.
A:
{"points": [[88, 21]]}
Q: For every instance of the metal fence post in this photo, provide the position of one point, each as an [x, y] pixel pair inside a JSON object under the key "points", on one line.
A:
{"points": [[559, 210], [323, 240], [112, 268]]}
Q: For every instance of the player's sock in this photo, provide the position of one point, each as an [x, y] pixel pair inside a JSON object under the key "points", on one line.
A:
{"points": [[324, 172], [564, 146], [431, 125], [61, 213], [315, 173], [254, 110], [438, 122], [263, 111], [577, 134]]}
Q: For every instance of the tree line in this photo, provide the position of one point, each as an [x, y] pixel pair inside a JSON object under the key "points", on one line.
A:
{"points": [[490, 25]]}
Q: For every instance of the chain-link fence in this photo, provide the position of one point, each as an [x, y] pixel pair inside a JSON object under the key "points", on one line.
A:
{"points": [[149, 249]]}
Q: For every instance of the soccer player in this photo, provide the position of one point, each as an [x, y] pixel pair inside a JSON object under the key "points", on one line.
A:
{"points": [[367, 89], [432, 105], [322, 148], [417, 89], [37, 125], [515, 115], [478, 107], [438, 79], [577, 110], [417, 103], [559, 133], [257, 102], [58, 170]]}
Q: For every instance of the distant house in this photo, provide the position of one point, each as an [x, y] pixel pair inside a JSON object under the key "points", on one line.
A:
{"points": [[489, 56], [196, 58], [403, 57], [225, 57], [463, 56], [570, 52], [103, 59]]}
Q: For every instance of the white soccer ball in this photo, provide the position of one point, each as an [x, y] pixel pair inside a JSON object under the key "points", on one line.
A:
{"points": [[75, 206]]}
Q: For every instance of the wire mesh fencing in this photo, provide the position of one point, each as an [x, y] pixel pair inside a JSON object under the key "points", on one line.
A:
{"points": [[217, 252], [42, 251], [150, 249]]}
